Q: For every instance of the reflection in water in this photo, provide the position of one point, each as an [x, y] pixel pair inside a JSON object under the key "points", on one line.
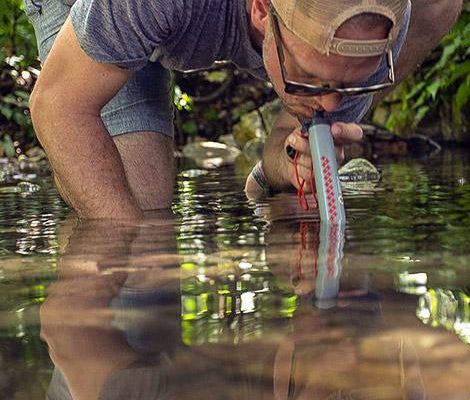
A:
{"points": [[239, 294], [237, 300], [439, 307], [446, 308], [128, 319]]}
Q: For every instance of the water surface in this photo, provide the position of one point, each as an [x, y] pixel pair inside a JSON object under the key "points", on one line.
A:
{"points": [[230, 299]]}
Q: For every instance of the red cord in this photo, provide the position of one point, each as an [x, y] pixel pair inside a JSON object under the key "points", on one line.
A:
{"points": [[303, 248], [300, 185], [302, 198]]}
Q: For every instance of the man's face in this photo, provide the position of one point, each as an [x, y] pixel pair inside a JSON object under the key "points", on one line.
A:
{"points": [[304, 64]]}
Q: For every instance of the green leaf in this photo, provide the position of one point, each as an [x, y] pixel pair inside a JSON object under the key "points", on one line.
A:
{"points": [[460, 100], [463, 93], [7, 112], [22, 94], [415, 90], [433, 88], [459, 70], [8, 147], [420, 115], [190, 128], [217, 76]]}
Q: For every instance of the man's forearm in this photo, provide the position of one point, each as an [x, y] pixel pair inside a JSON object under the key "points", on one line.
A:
{"points": [[86, 162]]}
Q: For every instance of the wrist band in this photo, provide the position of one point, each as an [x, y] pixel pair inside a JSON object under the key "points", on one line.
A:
{"points": [[260, 178]]}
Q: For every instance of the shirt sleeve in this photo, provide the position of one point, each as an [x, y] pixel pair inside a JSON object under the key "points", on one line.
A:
{"points": [[125, 32], [353, 109]]}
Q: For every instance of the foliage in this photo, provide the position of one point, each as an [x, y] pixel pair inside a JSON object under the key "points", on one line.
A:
{"points": [[209, 103], [16, 131], [441, 87], [16, 34], [18, 58]]}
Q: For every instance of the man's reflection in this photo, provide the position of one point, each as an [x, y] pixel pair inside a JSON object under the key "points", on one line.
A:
{"points": [[114, 311], [117, 329]]}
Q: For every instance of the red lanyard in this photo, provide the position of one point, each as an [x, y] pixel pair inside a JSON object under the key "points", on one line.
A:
{"points": [[302, 197]]}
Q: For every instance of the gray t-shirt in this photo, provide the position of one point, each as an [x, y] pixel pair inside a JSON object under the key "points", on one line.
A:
{"points": [[186, 34]]}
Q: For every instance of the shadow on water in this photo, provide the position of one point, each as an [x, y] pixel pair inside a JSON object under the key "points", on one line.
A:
{"points": [[224, 299]]}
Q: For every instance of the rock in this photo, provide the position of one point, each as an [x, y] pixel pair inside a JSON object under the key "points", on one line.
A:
{"points": [[359, 170], [253, 149], [27, 187], [193, 173], [26, 164], [243, 166], [7, 170], [256, 124], [248, 128], [228, 139], [22, 187], [210, 155]]}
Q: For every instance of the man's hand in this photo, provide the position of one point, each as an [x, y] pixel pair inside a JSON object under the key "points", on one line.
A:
{"points": [[297, 148], [286, 140]]}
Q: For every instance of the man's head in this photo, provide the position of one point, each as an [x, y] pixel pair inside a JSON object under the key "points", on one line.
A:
{"points": [[335, 43]]}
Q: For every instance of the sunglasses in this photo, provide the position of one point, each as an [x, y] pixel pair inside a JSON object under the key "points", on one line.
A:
{"points": [[306, 89]]}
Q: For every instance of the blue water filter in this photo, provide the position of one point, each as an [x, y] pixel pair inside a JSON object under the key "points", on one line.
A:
{"points": [[329, 196]]}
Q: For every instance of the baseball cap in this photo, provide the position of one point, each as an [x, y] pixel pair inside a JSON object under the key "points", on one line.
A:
{"points": [[316, 22]]}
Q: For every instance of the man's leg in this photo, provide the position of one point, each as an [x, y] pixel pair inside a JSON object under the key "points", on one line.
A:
{"points": [[148, 161], [140, 120], [149, 166]]}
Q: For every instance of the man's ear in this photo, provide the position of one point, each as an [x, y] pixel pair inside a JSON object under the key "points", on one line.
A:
{"points": [[260, 15]]}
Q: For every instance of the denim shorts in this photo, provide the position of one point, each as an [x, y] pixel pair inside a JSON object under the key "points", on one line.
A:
{"points": [[143, 104]]}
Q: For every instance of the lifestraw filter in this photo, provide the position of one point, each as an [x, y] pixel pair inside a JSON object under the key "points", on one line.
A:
{"points": [[330, 199]]}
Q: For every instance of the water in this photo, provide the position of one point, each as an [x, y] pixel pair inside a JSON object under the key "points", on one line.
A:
{"points": [[225, 299]]}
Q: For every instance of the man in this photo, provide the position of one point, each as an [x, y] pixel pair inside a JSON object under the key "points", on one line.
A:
{"points": [[101, 105]]}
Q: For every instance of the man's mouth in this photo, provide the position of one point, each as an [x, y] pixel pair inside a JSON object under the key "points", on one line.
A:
{"points": [[297, 107]]}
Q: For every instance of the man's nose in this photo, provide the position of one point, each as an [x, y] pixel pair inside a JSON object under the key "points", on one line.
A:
{"points": [[329, 102]]}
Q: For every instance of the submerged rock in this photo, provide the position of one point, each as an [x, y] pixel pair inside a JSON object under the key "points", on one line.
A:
{"points": [[27, 187], [359, 170], [210, 154]]}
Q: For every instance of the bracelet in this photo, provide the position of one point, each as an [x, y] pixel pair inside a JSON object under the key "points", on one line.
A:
{"points": [[259, 176]]}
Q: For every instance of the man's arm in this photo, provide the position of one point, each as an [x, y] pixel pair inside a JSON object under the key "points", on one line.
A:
{"points": [[277, 165], [420, 39], [65, 108]]}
